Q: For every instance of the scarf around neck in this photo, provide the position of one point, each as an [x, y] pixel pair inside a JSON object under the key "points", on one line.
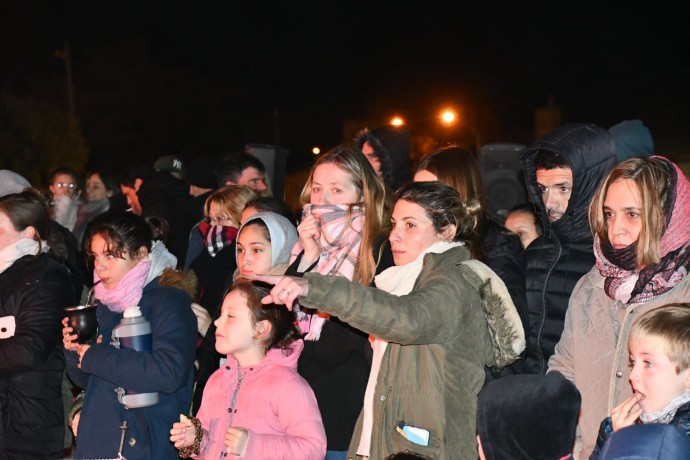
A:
{"points": [[666, 414], [340, 228], [15, 251], [217, 237], [628, 284], [127, 292]]}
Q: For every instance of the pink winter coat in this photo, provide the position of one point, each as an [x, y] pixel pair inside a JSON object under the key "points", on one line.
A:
{"points": [[274, 404]]}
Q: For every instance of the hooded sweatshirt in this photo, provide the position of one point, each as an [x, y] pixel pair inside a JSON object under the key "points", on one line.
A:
{"points": [[557, 259], [392, 147], [283, 236], [273, 403]]}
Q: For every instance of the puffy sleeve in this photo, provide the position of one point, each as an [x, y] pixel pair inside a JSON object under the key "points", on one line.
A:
{"points": [[38, 309]]}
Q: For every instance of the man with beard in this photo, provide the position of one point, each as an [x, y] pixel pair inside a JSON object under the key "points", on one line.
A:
{"points": [[562, 171]]}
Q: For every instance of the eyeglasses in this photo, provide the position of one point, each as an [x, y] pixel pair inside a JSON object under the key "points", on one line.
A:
{"points": [[69, 185], [217, 220]]}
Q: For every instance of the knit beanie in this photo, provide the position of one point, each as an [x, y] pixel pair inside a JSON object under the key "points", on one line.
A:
{"points": [[530, 417], [632, 139], [11, 182]]}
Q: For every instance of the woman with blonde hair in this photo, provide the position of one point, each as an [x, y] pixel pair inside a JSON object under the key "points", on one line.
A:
{"points": [[214, 268], [342, 233], [639, 217]]}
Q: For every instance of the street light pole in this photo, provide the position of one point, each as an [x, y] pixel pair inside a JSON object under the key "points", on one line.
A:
{"points": [[65, 56]]}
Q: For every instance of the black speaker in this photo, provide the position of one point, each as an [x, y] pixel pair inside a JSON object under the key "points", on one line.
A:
{"points": [[274, 159], [504, 182]]}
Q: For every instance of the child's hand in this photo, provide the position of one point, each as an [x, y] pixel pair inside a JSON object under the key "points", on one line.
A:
{"points": [[626, 412], [69, 340], [182, 434], [235, 440]]}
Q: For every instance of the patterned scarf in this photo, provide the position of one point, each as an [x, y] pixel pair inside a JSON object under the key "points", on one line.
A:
{"points": [[128, 290], [666, 414], [217, 237], [340, 228], [626, 283]]}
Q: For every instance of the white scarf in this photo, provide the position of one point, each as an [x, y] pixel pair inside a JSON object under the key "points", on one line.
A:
{"points": [[20, 248], [397, 280], [400, 279]]}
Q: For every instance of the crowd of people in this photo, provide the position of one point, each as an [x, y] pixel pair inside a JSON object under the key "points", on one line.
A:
{"points": [[394, 319]]}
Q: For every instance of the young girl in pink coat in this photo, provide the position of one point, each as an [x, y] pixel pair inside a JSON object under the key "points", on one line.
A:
{"points": [[256, 406]]}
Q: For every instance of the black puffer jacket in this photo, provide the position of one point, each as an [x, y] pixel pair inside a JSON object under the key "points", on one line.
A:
{"points": [[33, 293], [563, 254], [503, 253]]}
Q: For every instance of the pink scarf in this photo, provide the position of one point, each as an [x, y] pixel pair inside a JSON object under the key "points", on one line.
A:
{"points": [[128, 290], [641, 285], [340, 228]]}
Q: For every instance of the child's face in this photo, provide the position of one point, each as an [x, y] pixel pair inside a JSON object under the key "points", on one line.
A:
{"points": [[254, 251], [654, 375], [234, 328], [523, 225]]}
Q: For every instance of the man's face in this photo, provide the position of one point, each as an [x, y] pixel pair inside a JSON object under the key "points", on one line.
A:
{"points": [[132, 199], [556, 186], [252, 178]]}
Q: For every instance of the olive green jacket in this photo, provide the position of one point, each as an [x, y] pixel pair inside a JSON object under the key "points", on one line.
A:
{"points": [[433, 367]]}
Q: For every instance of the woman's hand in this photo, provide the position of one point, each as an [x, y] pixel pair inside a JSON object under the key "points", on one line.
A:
{"points": [[69, 340], [627, 412], [203, 319], [309, 235], [182, 435], [286, 289], [235, 440]]}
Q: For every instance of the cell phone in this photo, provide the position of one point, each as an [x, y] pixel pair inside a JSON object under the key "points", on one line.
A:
{"points": [[413, 434]]}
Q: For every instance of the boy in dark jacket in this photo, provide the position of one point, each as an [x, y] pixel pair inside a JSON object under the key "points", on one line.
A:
{"points": [[659, 347]]}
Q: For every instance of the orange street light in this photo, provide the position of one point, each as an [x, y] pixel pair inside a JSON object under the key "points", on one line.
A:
{"points": [[316, 150], [448, 117], [397, 121]]}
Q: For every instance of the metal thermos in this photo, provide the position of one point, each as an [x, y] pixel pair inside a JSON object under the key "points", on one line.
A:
{"points": [[134, 332]]}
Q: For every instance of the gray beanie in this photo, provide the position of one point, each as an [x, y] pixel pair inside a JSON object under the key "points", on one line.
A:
{"points": [[11, 182]]}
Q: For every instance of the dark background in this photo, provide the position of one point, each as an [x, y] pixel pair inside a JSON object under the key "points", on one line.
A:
{"points": [[199, 77]]}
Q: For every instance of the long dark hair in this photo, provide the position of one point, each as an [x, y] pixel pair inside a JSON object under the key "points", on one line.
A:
{"points": [[124, 232]]}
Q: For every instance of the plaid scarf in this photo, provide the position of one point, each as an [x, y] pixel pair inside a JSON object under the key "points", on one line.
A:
{"points": [[340, 228], [217, 236], [627, 283]]}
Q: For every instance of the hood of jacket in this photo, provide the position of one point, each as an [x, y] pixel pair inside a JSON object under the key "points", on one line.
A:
{"points": [[287, 357], [282, 232], [591, 153], [392, 147], [528, 416]]}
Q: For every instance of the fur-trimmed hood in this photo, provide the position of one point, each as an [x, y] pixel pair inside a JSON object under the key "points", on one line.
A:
{"points": [[505, 326]]}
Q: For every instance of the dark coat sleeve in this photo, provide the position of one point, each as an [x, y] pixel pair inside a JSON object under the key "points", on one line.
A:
{"points": [[166, 367]]}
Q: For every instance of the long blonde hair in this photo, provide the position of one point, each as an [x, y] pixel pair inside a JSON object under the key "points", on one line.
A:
{"points": [[376, 203]]}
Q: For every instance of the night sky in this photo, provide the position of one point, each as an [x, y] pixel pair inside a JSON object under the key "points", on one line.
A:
{"points": [[200, 77]]}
